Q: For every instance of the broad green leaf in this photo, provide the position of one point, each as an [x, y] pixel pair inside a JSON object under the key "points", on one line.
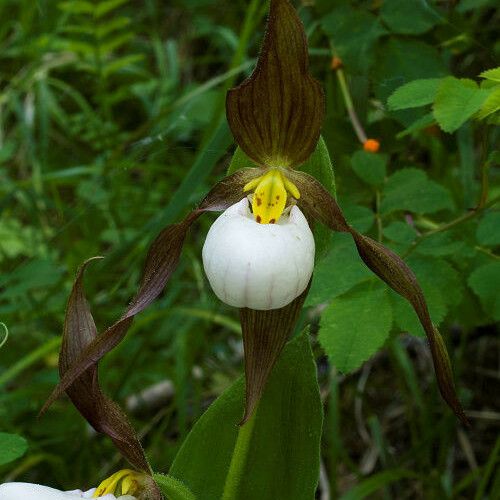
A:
{"points": [[414, 94], [239, 160], [354, 326], [370, 167], [484, 281], [491, 74], [172, 488], [12, 446], [410, 189], [456, 101], [354, 34], [409, 17], [339, 271], [282, 458], [434, 275], [440, 244], [488, 230]]}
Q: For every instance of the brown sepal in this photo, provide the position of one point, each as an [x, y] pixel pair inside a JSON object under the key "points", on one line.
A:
{"points": [[276, 114], [317, 203], [161, 262], [265, 333], [102, 413]]}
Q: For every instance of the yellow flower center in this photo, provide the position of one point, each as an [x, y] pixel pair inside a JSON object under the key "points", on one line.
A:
{"points": [[123, 482], [270, 195]]}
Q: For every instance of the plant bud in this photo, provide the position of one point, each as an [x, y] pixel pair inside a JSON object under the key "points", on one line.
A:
{"points": [[259, 266]]}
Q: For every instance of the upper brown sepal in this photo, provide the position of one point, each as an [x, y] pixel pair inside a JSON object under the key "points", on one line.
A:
{"points": [[276, 114]]}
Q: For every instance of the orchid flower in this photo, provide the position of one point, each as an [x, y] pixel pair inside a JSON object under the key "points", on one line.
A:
{"points": [[259, 254]]}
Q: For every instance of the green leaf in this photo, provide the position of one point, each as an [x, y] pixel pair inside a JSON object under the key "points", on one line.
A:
{"points": [[359, 216], [410, 189], [12, 446], [419, 124], [491, 74], [488, 230], [354, 34], [240, 160], [400, 61], [172, 488], [355, 326], [400, 232], [282, 458], [337, 272], [409, 17], [491, 104], [484, 281], [369, 167], [414, 94], [456, 101]]}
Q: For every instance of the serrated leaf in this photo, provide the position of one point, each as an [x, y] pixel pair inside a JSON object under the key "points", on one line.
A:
{"points": [[355, 326], [369, 167], [414, 94], [410, 189], [491, 74], [488, 230], [12, 447], [456, 101], [409, 17], [282, 458], [339, 271], [491, 104], [484, 281]]}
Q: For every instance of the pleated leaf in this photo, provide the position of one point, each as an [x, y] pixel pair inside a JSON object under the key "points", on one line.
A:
{"points": [[276, 114]]}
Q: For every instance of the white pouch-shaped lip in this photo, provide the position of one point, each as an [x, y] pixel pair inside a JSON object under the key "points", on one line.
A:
{"points": [[29, 491], [259, 266]]}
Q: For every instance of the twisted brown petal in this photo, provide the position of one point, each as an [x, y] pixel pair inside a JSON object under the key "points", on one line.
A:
{"points": [[161, 261], [102, 413], [265, 333], [317, 202], [276, 114]]}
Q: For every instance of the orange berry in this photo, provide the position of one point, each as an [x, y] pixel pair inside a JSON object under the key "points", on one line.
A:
{"points": [[371, 145], [336, 63]]}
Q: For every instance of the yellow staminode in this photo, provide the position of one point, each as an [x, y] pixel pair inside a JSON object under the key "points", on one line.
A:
{"points": [[123, 482], [270, 195]]}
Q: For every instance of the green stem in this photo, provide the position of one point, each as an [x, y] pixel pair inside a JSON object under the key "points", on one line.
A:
{"points": [[238, 460]]}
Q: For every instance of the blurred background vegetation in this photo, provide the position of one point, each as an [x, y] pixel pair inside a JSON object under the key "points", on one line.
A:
{"points": [[112, 124]]}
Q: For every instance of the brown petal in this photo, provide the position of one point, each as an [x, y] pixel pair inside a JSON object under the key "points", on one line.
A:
{"points": [[390, 267], [265, 333], [162, 260], [317, 203], [276, 114], [102, 413]]}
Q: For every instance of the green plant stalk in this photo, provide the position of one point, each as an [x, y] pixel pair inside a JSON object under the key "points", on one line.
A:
{"points": [[238, 460], [356, 125]]}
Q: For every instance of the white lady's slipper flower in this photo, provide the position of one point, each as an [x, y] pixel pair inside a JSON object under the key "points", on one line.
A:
{"points": [[259, 266], [29, 491]]}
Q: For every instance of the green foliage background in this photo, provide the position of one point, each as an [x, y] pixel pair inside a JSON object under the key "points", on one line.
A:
{"points": [[112, 125]]}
